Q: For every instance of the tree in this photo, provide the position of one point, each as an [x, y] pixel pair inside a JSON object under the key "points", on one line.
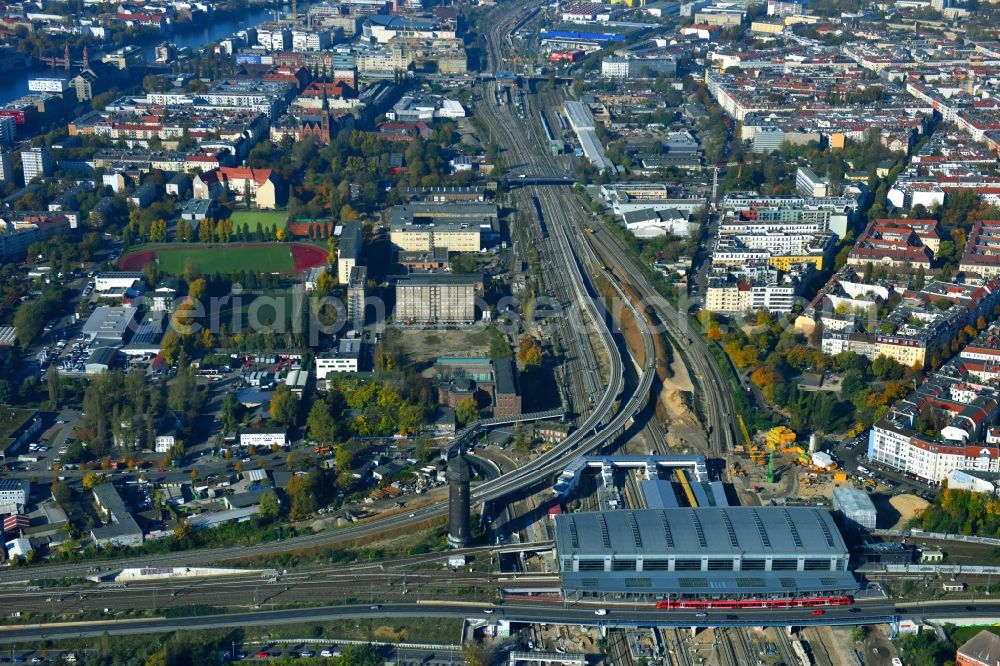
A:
{"points": [[270, 505], [529, 353], [884, 367], [325, 284], [28, 322], [301, 493], [221, 232], [158, 231], [196, 288], [946, 251], [191, 271], [61, 493], [182, 531], [424, 449], [170, 346], [206, 340], [410, 419], [477, 654], [467, 411], [348, 214], [55, 389], [361, 655], [923, 649], [229, 414], [91, 479], [205, 230], [322, 427], [184, 395], [182, 231], [154, 83], [284, 406], [346, 457]]}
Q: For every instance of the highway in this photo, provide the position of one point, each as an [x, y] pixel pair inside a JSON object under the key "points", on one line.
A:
{"points": [[623, 616]]}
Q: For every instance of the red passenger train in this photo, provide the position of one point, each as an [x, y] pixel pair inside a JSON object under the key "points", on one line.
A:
{"points": [[738, 604]]}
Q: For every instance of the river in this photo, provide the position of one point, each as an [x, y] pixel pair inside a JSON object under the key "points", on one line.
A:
{"points": [[15, 84]]}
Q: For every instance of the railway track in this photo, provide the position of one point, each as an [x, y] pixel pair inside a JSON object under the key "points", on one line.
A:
{"points": [[745, 645], [728, 649], [682, 656], [713, 385]]}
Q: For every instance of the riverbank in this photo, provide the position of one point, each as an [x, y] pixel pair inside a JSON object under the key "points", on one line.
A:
{"points": [[195, 35]]}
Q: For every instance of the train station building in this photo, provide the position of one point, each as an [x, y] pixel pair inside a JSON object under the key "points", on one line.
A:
{"points": [[651, 555]]}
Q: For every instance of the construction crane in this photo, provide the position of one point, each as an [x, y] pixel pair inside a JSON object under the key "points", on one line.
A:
{"points": [[743, 429]]}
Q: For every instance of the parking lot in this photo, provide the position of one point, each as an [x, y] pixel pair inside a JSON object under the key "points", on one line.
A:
{"points": [[854, 453]]}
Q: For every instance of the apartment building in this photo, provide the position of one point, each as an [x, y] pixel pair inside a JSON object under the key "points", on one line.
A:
{"points": [[982, 250], [348, 251], [894, 243], [437, 298], [946, 424], [311, 40], [920, 328], [755, 288], [459, 227], [36, 163], [809, 184], [6, 167], [18, 231], [619, 67], [384, 62]]}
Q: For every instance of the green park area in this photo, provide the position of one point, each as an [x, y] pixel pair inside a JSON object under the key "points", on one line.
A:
{"points": [[268, 219]]}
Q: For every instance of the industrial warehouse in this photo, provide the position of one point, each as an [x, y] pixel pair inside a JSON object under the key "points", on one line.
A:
{"points": [[732, 552]]}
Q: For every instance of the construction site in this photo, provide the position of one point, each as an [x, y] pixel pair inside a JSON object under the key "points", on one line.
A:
{"points": [[777, 464]]}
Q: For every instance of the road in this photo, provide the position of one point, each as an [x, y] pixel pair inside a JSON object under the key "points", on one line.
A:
{"points": [[614, 617]]}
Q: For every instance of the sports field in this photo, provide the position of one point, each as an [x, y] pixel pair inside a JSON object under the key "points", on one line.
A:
{"points": [[268, 219], [227, 258]]}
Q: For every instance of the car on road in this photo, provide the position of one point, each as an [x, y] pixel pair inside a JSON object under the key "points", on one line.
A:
{"points": [[488, 611], [819, 611], [855, 609], [376, 606], [307, 654], [330, 652], [600, 611], [701, 614]]}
